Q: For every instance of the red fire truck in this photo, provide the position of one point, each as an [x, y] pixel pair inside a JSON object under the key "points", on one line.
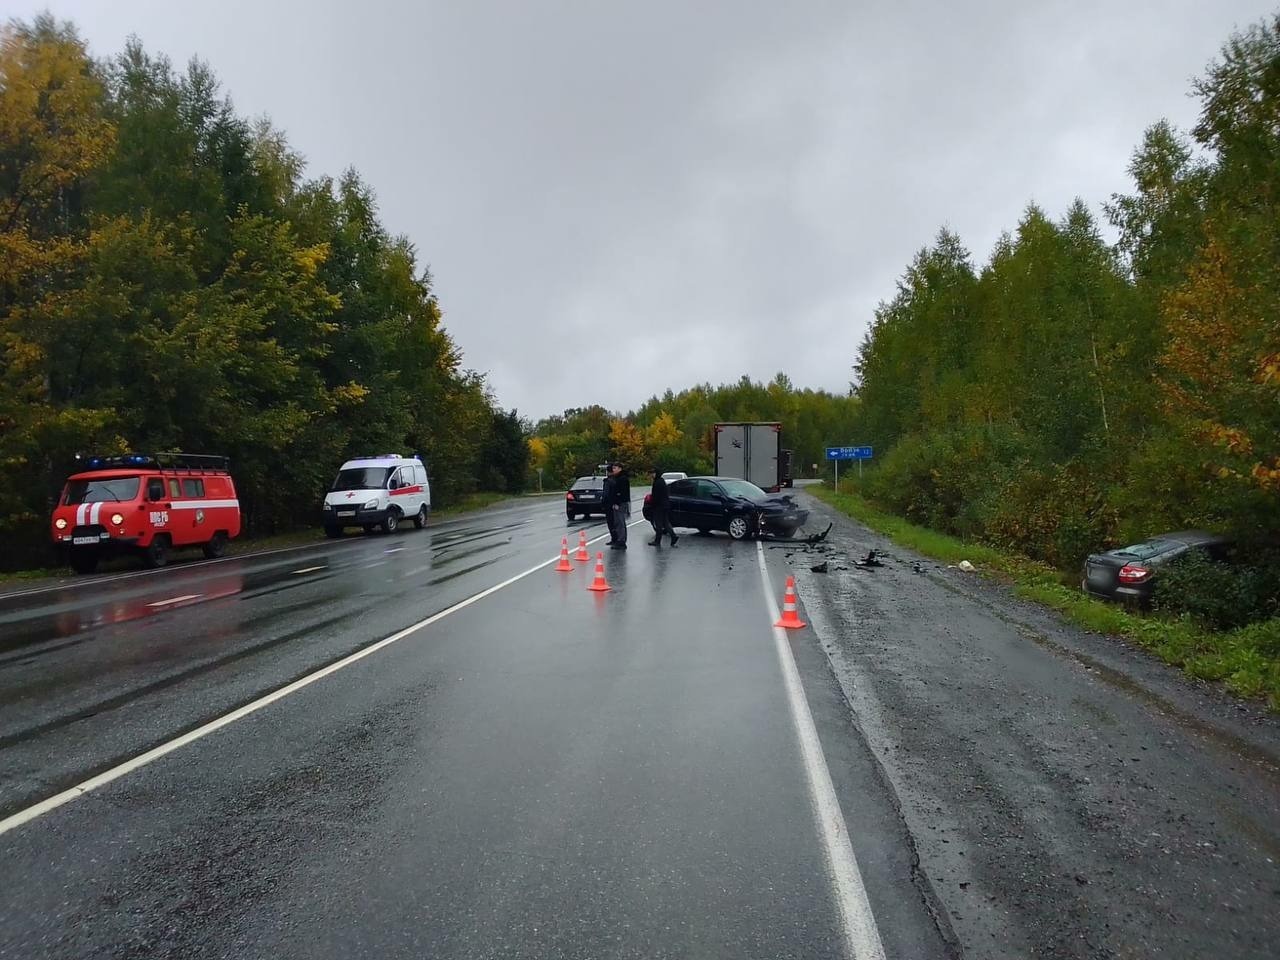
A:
{"points": [[146, 504]]}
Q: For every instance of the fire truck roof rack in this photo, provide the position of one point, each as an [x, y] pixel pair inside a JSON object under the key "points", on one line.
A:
{"points": [[165, 461]]}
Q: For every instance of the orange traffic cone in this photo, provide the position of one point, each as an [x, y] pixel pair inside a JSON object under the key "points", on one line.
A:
{"points": [[599, 584], [790, 619], [564, 566], [582, 556]]}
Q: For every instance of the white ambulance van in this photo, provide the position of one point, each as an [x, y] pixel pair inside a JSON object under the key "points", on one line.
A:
{"points": [[378, 492]]}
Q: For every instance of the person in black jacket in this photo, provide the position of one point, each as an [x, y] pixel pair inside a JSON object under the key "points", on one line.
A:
{"points": [[617, 502], [606, 498], [660, 511]]}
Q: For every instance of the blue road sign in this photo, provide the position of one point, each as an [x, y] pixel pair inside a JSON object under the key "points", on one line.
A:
{"points": [[848, 453]]}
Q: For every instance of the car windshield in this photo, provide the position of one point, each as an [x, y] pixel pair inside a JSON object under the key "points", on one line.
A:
{"points": [[742, 488], [362, 478], [589, 483], [113, 490], [1144, 551]]}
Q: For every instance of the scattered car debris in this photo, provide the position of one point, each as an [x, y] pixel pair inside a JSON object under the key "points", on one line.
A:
{"points": [[811, 540], [820, 567], [967, 567], [870, 560]]}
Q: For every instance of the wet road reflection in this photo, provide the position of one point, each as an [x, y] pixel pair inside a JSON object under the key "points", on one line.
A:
{"points": [[123, 659]]}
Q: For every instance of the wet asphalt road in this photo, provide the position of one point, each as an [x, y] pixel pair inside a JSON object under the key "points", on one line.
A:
{"points": [[550, 773], [1068, 796], [542, 773]]}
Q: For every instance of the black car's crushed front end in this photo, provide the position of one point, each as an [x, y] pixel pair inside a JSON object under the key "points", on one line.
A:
{"points": [[779, 516]]}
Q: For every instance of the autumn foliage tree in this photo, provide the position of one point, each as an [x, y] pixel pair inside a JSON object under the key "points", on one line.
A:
{"points": [[170, 280], [674, 431], [1069, 394]]}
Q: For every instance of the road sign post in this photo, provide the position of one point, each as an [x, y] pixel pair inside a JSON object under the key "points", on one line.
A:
{"points": [[836, 454]]}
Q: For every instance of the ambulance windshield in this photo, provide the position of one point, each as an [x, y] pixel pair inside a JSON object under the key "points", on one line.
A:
{"points": [[114, 490], [362, 478]]}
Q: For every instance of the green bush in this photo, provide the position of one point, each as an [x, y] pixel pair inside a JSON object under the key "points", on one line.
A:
{"points": [[1218, 595], [1057, 514], [944, 479]]}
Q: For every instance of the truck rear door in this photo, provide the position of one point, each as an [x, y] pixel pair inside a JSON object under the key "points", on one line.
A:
{"points": [[731, 450], [763, 443]]}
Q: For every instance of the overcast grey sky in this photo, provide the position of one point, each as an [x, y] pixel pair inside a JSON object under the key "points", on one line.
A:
{"points": [[616, 198]]}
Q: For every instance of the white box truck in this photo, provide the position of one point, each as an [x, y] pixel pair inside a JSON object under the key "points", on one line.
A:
{"points": [[750, 451]]}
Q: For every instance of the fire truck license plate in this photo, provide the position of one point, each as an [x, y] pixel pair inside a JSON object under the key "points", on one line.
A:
{"points": [[83, 540]]}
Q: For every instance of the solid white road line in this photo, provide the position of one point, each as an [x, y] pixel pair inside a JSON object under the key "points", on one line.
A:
{"points": [[862, 937], [141, 760], [172, 600], [322, 566]]}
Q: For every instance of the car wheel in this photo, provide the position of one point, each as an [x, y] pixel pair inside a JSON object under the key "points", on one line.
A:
{"points": [[84, 561], [739, 528], [420, 520], [215, 547], [572, 516], [157, 555], [333, 533], [392, 522]]}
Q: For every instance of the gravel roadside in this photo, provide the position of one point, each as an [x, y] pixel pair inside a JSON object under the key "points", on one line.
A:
{"points": [[1069, 795]]}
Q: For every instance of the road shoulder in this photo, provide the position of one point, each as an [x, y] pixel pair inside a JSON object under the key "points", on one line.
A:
{"points": [[1061, 805]]}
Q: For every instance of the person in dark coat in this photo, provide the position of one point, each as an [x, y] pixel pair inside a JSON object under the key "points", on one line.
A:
{"points": [[606, 498], [617, 499], [660, 511]]}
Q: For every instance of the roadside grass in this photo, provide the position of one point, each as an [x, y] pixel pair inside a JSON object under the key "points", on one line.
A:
{"points": [[1246, 661], [39, 573], [277, 541]]}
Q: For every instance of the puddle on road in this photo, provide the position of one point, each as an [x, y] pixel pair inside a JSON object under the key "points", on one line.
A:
{"points": [[71, 623]]}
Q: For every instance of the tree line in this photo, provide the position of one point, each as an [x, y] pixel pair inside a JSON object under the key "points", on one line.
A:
{"points": [[170, 279], [674, 431], [1070, 393]]}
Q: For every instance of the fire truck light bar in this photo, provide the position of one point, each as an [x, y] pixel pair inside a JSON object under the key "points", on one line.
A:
{"points": [[183, 461]]}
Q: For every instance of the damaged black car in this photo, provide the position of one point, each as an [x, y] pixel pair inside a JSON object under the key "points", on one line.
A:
{"points": [[739, 508]]}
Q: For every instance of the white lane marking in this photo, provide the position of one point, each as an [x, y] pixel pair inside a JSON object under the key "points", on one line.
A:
{"points": [[862, 937], [322, 566], [172, 600], [141, 760], [393, 550]]}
